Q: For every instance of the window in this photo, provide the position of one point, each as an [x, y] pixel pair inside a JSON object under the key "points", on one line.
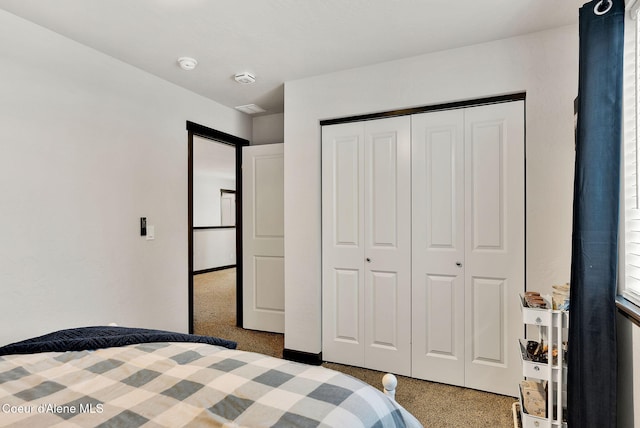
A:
{"points": [[630, 207]]}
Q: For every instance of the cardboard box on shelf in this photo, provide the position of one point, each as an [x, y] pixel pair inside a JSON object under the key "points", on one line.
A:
{"points": [[534, 397]]}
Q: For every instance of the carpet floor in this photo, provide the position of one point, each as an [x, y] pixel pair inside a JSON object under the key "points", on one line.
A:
{"points": [[433, 404]]}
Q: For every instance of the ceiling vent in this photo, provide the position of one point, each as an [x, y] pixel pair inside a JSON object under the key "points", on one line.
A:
{"points": [[245, 78], [250, 109]]}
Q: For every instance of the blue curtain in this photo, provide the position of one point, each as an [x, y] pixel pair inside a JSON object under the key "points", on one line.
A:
{"points": [[592, 365]]}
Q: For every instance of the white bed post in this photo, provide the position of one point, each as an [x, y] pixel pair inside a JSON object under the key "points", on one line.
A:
{"points": [[389, 383]]}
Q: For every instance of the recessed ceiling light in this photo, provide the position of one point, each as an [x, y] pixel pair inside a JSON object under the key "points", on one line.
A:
{"points": [[250, 109], [245, 78], [187, 63]]}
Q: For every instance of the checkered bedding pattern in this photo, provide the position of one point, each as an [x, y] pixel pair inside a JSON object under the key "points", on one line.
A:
{"points": [[184, 384]]}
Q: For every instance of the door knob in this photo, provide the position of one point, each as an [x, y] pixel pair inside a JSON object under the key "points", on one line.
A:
{"points": [[368, 260], [459, 264]]}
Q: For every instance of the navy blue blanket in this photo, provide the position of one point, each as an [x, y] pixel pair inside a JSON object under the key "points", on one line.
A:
{"points": [[87, 338]]}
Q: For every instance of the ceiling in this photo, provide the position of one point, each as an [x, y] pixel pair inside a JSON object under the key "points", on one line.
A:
{"points": [[281, 40]]}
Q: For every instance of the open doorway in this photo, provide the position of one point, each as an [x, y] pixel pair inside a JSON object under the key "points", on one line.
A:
{"points": [[210, 140], [214, 221]]}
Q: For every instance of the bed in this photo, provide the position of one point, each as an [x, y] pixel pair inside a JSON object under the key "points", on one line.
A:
{"points": [[122, 377]]}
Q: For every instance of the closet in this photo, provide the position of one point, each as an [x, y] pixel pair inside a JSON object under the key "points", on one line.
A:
{"points": [[423, 244]]}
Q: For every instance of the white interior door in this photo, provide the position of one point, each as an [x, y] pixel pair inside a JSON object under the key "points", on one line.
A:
{"points": [[366, 187], [228, 209], [263, 237], [438, 246], [494, 259]]}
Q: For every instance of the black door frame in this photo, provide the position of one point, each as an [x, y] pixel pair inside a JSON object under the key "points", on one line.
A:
{"points": [[195, 129]]}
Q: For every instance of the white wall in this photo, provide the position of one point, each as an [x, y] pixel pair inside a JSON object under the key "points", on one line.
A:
{"points": [[206, 198], [88, 146], [545, 65], [214, 248], [211, 247], [268, 129]]}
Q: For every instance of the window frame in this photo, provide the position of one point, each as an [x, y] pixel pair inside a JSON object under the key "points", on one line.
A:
{"points": [[628, 299]]}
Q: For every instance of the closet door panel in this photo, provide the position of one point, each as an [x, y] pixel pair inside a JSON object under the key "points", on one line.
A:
{"points": [[440, 324], [346, 188], [494, 259], [438, 246], [347, 302], [343, 243], [487, 210], [387, 256], [384, 300], [488, 323], [439, 297], [382, 177]]}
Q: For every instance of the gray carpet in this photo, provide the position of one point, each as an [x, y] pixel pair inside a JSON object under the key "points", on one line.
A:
{"points": [[434, 404]]}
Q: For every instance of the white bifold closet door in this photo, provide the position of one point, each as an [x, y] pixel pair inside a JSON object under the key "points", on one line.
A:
{"points": [[423, 245], [468, 245], [366, 203], [438, 246]]}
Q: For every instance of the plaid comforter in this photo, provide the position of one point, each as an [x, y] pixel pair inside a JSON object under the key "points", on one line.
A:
{"points": [[184, 384]]}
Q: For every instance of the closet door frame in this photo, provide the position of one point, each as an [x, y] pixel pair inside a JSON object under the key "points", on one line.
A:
{"points": [[518, 96]]}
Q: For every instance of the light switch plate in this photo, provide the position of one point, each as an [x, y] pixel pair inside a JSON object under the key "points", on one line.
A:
{"points": [[151, 233]]}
